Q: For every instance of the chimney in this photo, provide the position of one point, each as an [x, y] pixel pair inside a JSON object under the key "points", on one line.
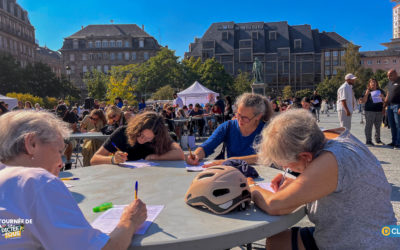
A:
{"points": [[143, 27], [82, 27]]}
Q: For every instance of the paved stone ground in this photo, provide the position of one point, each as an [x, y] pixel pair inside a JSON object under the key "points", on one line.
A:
{"points": [[389, 158]]}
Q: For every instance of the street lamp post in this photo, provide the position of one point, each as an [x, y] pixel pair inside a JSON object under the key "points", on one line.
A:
{"points": [[68, 70]]}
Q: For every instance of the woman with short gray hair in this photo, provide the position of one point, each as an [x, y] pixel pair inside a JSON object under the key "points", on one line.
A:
{"points": [[240, 134], [31, 146], [342, 184]]}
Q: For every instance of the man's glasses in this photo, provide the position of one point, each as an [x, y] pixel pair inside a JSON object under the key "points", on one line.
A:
{"points": [[245, 119]]}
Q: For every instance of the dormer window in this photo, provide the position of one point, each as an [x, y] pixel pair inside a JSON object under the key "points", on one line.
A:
{"points": [[225, 36], [272, 35], [297, 43]]}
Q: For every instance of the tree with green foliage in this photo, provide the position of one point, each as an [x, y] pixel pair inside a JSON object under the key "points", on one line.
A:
{"points": [[160, 70], [191, 70], [287, 92], [303, 93], [214, 77], [164, 93], [123, 82], [10, 75], [96, 82], [242, 83]]}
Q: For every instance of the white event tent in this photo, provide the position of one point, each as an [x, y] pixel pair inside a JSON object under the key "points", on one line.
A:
{"points": [[12, 102], [197, 93]]}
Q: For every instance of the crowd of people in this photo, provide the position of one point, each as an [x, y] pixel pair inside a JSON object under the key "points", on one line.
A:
{"points": [[333, 173]]}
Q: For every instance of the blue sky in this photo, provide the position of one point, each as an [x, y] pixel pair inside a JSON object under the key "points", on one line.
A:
{"points": [[175, 23]]}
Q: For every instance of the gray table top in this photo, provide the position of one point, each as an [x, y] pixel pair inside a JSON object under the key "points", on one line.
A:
{"points": [[178, 226], [89, 135]]}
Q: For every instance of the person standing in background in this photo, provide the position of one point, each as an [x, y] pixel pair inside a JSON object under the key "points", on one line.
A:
{"points": [[177, 101], [316, 103], [346, 101], [373, 100], [393, 104]]}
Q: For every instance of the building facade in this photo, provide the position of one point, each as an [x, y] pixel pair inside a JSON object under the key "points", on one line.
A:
{"points": [[396, 21], [384, 60], [291, 55], [17, 35], [51, 58], [101, 47]]}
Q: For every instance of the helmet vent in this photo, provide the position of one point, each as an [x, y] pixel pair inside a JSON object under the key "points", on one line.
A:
{"points": [[220, 192], [188, 197], [205, 175], [216, 168], [243, 185]]}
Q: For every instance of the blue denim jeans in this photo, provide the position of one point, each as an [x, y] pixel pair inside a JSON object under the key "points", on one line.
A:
{"points": [[394, 122]]}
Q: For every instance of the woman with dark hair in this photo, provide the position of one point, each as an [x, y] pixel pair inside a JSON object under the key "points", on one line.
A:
{"points": [[228, 108], [145, 137], [373, 111]]}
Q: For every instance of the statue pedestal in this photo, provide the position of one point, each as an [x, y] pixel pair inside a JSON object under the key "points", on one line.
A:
{"points": [[258, 88]]}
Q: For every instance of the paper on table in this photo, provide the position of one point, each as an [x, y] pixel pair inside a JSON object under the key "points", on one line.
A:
{"points": [[266, 186], [197, 168], [68, 185], [376, 98], [138, 164], [110, 218]]}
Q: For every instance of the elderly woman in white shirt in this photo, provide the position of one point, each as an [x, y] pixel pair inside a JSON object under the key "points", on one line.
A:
{"points": [[31, 146]]}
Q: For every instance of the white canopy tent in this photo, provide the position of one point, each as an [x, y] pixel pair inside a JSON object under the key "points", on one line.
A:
{"points": [[12, 102], [197, 93]]}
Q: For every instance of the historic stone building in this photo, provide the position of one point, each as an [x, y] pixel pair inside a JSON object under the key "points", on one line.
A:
{"points": [[294, 55], [390, 57], [51, 58], [101, 47], [17, 35]]}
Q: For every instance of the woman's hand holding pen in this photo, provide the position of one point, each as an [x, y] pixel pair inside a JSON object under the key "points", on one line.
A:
{"points": [[120, 157], [276, 182]]}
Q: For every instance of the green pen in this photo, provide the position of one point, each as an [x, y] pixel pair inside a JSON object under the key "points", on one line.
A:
{"points": [[103, 207]]}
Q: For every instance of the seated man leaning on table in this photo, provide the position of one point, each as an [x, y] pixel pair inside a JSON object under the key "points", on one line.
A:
{"points": [[240, 134], [342, 184], [145, 137], [31, 146]]}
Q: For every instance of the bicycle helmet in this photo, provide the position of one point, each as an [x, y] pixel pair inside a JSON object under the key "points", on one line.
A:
{"points": [[220, 189]]}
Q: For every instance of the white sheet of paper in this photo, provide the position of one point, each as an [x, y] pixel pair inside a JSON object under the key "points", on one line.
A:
{"points": [[376, 96], [138, 164], [197, 168], [266, 186], [68, 185], [107, 221]]}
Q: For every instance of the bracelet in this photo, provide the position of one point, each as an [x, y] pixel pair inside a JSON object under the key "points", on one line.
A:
{"points": [[112, 160]]}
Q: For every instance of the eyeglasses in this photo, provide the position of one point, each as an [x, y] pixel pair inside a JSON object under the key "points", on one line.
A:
{"points": [[245, 119]]}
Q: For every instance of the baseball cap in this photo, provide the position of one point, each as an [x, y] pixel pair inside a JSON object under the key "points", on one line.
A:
{"points": [[350, 76]]}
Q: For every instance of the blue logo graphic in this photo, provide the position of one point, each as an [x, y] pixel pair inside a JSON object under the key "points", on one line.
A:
{"points": [[391, 231]]}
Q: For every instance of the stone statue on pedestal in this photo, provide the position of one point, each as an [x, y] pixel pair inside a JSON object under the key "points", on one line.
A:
{"points": [[257, 71]]}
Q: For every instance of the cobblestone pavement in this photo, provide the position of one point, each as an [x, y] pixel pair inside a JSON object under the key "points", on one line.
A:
{"points": [[389, 158]]}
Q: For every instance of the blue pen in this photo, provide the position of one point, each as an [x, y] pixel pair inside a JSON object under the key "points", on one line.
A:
{"points": [[115, 146], [136, 190]]}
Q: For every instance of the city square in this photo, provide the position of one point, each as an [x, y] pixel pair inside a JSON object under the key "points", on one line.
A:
{"points": [[212, 125]]}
